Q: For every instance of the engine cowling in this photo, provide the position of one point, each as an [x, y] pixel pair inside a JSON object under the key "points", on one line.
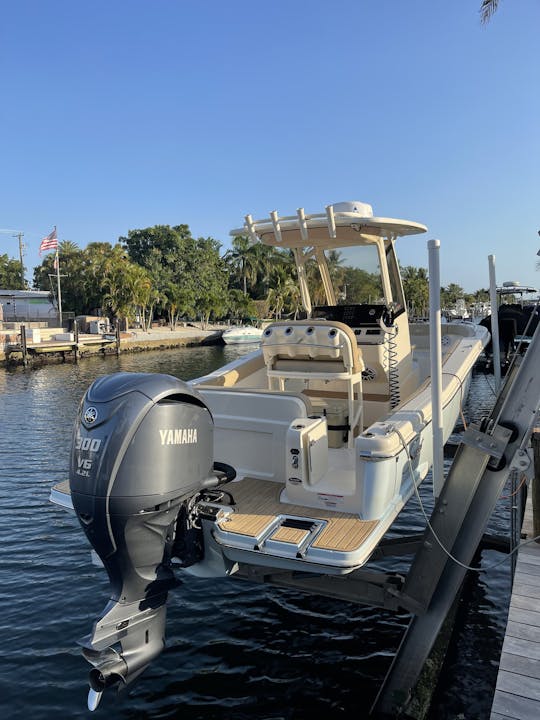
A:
{"points": [[142, 447]]}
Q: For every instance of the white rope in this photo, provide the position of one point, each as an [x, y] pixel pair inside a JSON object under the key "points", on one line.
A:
{"points": [[439, 542]]}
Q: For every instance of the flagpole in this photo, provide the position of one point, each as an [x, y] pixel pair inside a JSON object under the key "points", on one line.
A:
{"points": [[58, 284]]}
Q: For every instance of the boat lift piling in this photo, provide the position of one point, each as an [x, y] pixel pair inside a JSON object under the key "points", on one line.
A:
{"points": [[435, 354], [495, 343], [481, 467]]}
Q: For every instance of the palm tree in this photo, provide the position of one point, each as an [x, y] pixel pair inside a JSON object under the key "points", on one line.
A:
{"points": [[244, 262], [487, 9], [67, 246], [284, 292]]}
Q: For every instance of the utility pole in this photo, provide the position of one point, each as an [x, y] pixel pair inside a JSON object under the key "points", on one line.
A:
{"points": [[18, 234]]}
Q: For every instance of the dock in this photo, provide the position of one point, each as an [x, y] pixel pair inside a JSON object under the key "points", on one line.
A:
{"points": [[77, 345], [517, 692]]}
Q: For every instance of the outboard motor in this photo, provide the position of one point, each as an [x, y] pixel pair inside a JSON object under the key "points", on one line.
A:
{"points": [[142, 449]]}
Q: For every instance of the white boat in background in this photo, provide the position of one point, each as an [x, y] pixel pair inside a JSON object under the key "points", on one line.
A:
{"points": [[241, 335], [296, 458]]}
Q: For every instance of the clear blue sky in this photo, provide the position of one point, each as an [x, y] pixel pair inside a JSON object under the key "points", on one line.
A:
{"points": [[123, 114]]}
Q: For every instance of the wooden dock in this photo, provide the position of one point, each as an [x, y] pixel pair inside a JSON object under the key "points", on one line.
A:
{"points": [[79, 345], [76, 347], [517, 693]]}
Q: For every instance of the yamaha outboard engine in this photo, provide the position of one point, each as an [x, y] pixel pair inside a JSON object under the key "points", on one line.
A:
{"points": [[142, 448]]}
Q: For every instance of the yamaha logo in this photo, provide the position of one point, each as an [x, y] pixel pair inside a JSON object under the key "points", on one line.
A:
{"points": [[90, 416]]}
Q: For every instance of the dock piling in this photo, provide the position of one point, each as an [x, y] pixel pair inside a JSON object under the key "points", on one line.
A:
{"points": [[76, 349], [23, 345]]}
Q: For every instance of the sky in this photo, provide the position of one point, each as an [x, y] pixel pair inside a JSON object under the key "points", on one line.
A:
{"points": [[123, 114]]}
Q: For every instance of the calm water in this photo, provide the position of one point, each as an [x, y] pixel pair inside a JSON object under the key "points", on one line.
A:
{"points": [[235, 651]]}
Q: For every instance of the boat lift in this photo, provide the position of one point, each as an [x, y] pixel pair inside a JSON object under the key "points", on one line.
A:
{"points": [[485, 459]]}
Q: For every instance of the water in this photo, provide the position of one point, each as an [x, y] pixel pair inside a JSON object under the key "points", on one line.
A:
{"points": [[235, 650]]}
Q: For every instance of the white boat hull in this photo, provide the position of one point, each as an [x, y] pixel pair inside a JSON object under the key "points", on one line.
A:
{"points": [[242, 335], [370, 481]]}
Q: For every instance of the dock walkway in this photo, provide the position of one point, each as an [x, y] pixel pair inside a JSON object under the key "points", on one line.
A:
{"points": [[517, 693], [19, 353]]}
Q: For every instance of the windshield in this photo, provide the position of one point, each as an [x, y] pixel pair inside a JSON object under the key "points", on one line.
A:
{"points": [[356, 274]]}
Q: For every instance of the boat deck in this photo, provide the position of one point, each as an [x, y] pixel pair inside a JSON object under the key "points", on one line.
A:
{"points": [[258, 508]]}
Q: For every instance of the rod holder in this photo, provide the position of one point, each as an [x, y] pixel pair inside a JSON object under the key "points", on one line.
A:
{"points": [[274, 217]]}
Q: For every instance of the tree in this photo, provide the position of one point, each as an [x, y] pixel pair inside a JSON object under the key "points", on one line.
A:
{"points": [[95, 258], [283, 293], [488, 9], [243, 262], [450, 295], [209, 273], [127, 288], [241, 306], [180, 301], [168, 254], [10, 274], [416, 289], [167, 241], [361, 286]]}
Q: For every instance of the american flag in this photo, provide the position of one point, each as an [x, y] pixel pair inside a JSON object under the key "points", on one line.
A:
{"points": [[49, 243]]}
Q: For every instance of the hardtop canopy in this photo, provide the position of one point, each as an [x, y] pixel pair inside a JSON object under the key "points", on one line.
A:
{"points": [[343, 224]]}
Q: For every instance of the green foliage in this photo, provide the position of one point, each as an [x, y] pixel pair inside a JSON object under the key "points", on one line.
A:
{"points": [[481, 295], [242, 263], [284, 292], [416, 289], [10, 274], [361, 286], [241, 306], [209, 273], [163, 241], [127, 288], [451, 294]]}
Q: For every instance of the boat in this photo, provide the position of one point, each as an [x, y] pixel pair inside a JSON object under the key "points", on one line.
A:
{"points": [[293, 460], [241, 335], [458, 311], [517, 318]]}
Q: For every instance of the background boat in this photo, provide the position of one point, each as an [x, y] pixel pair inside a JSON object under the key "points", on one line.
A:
{"points": [[241, 335]]}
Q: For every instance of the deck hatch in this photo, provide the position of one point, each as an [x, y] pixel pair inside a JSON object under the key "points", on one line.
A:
{"points": [[299, 524]]}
